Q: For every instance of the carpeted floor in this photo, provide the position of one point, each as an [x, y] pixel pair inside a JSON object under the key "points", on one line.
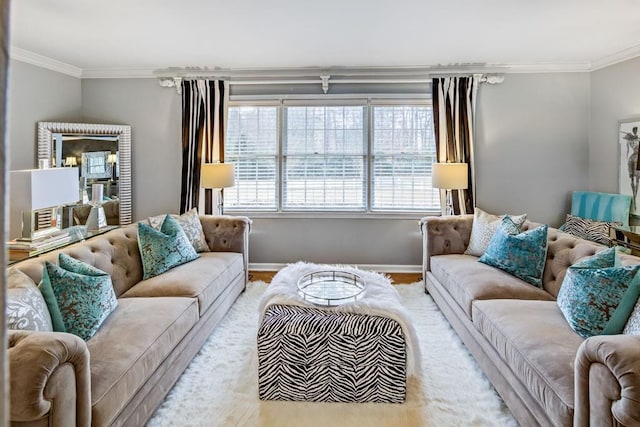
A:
{"points": [[219, 388]]}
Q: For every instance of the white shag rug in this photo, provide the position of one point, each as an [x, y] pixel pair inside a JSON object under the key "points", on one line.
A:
{"points": [[220, 386]]}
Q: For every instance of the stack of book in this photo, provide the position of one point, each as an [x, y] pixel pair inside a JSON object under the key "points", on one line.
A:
{"points": [[24, 248]]}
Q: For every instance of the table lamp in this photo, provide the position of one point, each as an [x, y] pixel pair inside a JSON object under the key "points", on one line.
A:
{"points": [[447, 177], [218, 176], [33, 191], [70, 161]]}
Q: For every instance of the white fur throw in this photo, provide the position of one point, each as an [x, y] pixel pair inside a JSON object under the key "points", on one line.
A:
{"points": [[378, 299]]}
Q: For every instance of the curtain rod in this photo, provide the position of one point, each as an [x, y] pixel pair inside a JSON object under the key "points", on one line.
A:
{"points": [[324, 79]]}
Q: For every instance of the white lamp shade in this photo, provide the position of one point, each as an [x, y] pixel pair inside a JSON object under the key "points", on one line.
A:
{"points": [[450, 176], [217, 175], [70, 161], [35, 189]]}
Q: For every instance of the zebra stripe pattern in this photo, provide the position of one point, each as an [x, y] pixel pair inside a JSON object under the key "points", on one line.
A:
{"points": [[310, 354], [596, 231]]}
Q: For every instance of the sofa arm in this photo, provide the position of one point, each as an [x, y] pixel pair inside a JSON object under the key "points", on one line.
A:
{"points": [[228, 234], [444, 235], [50, 378], [607, 381]]}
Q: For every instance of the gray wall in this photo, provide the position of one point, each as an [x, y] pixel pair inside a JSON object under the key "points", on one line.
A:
{"points": [[37, 95], [531, 150], [532, 144], [154, 114], [615, 95]]}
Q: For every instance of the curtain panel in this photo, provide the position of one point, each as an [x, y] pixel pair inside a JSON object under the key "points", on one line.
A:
{"points": [[204, 106], [454, 105]]}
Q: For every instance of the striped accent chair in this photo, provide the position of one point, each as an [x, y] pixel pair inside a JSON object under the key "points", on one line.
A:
{"points": [[606, 207]]}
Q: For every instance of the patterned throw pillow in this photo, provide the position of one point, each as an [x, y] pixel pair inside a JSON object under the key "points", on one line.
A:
{"points": [[163, 249], [633, 324], [483, 229], [589, 229], [190, 223], [521, 254], [26, 308], [598, 294], [84, 294]]}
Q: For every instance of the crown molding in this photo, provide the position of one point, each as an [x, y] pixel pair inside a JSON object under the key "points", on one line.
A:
{"points": [[252, 73], [623, 55], [119, 73], [44, 62]]}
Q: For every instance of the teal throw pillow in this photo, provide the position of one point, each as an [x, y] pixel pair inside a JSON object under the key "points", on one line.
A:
{"points": [[598, 295], [163, 249], [522, 254], [50, 301], [84, 294]]}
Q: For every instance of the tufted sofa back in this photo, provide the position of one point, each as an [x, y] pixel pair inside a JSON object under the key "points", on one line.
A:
{"points": [[450, 235], [115, 252], [565, 250]]}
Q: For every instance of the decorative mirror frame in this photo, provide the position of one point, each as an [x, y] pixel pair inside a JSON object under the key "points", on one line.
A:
{"points": [[45, 144]]}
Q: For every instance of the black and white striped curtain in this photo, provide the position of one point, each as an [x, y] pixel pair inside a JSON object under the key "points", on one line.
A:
{"points": [[203, 123], [454, 106]]}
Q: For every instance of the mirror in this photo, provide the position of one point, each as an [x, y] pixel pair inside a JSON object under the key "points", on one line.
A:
{"points": [[103, 155]]}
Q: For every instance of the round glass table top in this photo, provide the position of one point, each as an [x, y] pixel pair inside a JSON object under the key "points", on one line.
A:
{"points": [[330, 287]]}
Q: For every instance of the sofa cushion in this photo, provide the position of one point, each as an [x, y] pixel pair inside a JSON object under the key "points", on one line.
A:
{"points": [[534, 339], [163, 249], [84, 294], [467, 280], [190, 223], [589, 229], [204, 278], [26, 307], [522, 254], [598, 295], [484, 227], [131, 345]]}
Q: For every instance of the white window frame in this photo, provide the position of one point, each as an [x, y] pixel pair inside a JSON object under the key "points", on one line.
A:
{"points": [[340, 100]]}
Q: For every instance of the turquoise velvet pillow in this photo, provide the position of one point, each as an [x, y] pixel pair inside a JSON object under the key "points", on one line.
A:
{"points": [[84, 294], [50, 300], [163, 249], [521, 254], [598, 295]]}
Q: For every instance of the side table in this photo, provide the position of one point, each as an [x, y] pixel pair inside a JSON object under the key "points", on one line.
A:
{"points": [[628, 237]]}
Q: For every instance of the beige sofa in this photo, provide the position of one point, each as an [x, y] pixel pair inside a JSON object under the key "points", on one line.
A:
{"points": [[121, 374], [546, 373]]}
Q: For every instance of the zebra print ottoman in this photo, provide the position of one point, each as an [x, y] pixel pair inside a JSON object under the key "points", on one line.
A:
{"points": [[309, 354]]}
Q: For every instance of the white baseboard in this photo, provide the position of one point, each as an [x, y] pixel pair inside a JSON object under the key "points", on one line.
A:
{"points": [[383, 268]]}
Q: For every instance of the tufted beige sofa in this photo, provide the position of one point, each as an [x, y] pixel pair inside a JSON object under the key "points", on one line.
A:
{"points": [[546, 373], [120, 375]]}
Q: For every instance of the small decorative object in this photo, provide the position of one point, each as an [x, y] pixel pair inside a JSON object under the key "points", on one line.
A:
{"points": [[447, 177], [218, 176], [95, 165], [330, 287], [629, 166], [97, 218]]}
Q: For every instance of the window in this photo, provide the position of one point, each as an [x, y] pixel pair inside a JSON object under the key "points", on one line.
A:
{"points": [[403, 149], [356, 157], [252, 144], [324, 159]]}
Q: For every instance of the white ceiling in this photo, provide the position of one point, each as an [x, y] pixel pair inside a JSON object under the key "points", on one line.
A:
{"points": [[134, 37]]}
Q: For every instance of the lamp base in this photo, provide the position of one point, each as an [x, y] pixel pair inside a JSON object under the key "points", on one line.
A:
{"points": [[96, 219]]}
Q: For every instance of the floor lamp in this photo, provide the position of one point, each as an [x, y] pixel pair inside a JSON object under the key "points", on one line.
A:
{"points": [[447, 177], [218, 176]]}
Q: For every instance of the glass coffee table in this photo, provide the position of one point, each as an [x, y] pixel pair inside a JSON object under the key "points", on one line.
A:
{"points": [[330, 287]]}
